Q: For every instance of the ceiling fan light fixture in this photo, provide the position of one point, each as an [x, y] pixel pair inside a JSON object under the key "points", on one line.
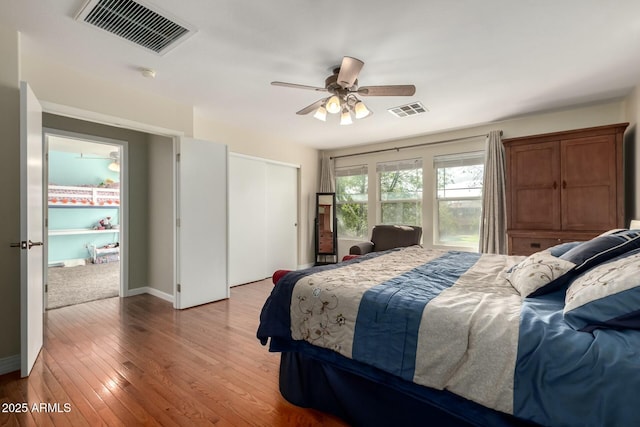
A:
{"points": [[321, 114], [114, 166], [333, 104], [361, 110], [345, 117]]}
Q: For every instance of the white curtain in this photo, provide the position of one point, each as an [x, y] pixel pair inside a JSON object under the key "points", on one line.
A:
{"points": [[327, 175], [493, 226]]}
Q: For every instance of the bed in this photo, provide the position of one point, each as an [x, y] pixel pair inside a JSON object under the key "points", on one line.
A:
{"points": [[426, 337]]}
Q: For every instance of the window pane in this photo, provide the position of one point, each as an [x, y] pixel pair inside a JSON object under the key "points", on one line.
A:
{"points": [[401, 185], [351, 209], [459, 181], [402, 213], [352, 220], [459, 222]]}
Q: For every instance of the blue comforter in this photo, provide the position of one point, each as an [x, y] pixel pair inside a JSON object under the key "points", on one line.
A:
{"points": [[450, 321]]}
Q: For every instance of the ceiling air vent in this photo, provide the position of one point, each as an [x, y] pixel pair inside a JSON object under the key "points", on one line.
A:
{"points": [[408, 110], [136, 22]]}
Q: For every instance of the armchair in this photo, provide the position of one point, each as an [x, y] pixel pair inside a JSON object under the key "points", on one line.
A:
{"points": [[385, 237]]}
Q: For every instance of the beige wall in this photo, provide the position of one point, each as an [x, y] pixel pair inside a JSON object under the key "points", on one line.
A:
{"points": [[594, 115], [632, 154], [160, 271], [55, 83], [9, 194]]}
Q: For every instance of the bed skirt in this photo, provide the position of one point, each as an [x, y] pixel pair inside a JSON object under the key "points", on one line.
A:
{"points": [[377, 398]]}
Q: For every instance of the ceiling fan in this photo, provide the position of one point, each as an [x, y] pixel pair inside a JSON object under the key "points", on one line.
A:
{"points": [[343, 87], [114, 156]]}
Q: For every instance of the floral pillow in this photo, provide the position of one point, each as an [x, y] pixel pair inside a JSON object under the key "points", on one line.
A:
{"points": [[606, 296], [537, 272]]}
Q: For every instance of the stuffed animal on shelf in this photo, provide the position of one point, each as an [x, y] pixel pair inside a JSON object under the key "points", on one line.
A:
{"points": [[105, 224]]}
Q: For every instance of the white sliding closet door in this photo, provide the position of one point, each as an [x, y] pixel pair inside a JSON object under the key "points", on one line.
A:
{"points": [[263, 215], [247, 204]]}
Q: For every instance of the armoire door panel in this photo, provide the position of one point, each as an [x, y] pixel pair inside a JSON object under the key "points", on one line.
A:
{"points": [[583, 209], [534, 186], [535, 167], [589, 161], [589, 193], [536, 208]]}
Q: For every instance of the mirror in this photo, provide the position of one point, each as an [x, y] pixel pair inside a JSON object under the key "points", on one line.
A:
{"points": [[326, 224]]}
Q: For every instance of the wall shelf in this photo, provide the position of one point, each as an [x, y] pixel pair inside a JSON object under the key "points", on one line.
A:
{"points": [[70, 232], [86, 197]]}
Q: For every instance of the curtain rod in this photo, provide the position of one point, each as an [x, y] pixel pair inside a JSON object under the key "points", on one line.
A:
{"points": [[382, 150]]}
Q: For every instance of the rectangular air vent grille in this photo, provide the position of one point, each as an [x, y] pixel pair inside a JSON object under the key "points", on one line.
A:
{"points": [[135, 22], [408, 109]]}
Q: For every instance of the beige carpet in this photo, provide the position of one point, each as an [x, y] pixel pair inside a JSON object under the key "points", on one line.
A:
{"points": [[75, 285]]}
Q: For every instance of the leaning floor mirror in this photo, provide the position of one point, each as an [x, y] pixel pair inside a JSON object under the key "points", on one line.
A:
{"points": [[325, 229]]}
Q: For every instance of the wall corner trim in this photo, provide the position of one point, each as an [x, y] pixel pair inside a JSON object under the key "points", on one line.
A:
{"points": [[151, 291]]}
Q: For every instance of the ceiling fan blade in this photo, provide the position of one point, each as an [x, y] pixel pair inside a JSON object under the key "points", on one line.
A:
{"points": [[310, 108], [349, 70], [391, 90], [297, 86]]}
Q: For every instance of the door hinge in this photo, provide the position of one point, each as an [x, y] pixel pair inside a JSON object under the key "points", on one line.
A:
{"points": [[46, 287], [178, 288], [177, 157], [177, 222], [46, 222]]}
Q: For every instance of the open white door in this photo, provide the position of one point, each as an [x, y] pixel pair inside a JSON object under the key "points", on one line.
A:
{"points": [[202, 223], [31, 229], [282, 217]]}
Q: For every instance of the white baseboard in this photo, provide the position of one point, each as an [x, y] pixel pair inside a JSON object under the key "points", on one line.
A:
{"points": [[9, 364], [151, 291]]}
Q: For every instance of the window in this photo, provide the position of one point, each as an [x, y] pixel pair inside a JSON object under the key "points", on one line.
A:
{"points": [[458, 198], [400, 186], [351, 201]]}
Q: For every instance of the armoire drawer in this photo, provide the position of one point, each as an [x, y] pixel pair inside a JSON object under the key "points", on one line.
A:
{"points": [[530, 245]]}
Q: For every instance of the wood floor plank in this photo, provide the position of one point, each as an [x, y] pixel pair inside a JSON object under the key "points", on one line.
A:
{"points": [[137, 361]]}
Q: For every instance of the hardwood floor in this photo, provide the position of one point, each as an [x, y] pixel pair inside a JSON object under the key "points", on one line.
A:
{"points": [[137, 361]]}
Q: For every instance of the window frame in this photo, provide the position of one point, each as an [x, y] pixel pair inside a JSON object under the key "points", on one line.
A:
{"points": [[410, 164], [470, 158]]}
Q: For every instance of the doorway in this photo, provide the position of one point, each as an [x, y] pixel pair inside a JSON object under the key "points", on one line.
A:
{"points": [[84, 205]]}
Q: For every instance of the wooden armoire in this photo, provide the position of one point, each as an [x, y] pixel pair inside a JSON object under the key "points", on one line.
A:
{"points": [[563, 186]]}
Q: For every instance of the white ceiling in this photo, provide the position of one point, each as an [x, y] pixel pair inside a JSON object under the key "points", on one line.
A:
{"points": [[472, 62]]}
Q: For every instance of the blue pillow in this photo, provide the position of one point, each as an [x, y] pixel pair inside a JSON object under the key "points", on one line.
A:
{"points": [[601, 249], [606, 296], [563, 248]]}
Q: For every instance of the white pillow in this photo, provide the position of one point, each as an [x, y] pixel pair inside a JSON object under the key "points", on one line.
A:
{"points": [[536, 271], [606, 296]]}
